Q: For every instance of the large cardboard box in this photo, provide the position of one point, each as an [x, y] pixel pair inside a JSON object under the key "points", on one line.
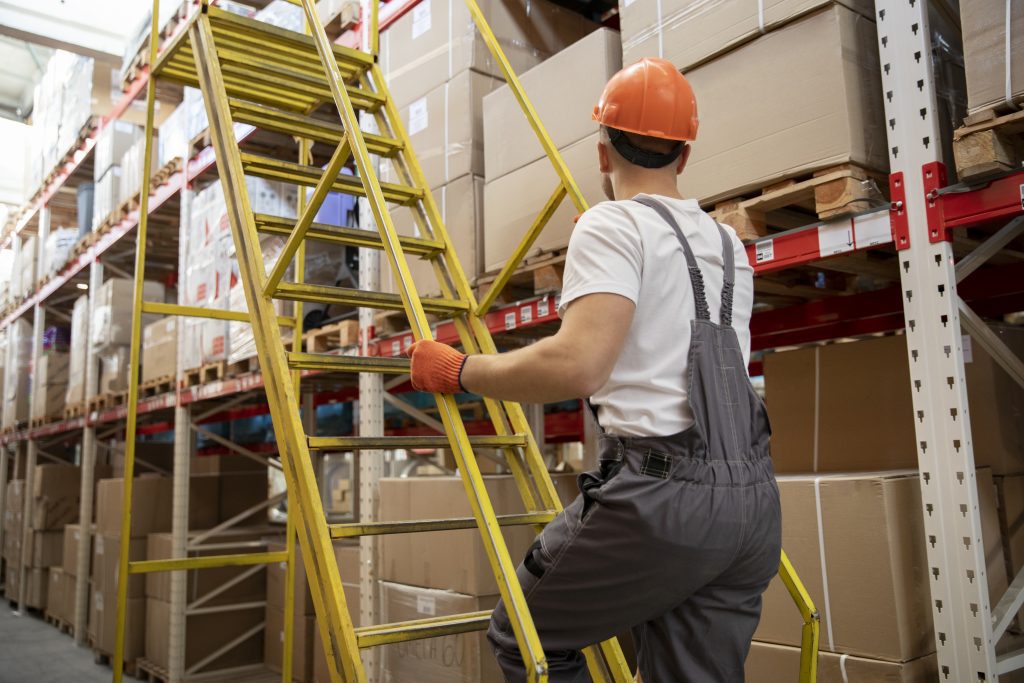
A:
{"points": [[461, 205], [347, 555], [989, 53], [53, 512], [160, 349], [51, 385], [867, 555], [72, 541], [38, 583], [239, 492], [17, 373], [111, 144], [111, 323], [303, 633], [688, 32], [446, 128], [512, 202], [151, 505], [56, 597], [466, 658], [565, 110], [818, 90], [198, 583], [79, 348], [106, 549], [437, 39], [56, 481], [457, 560], [103, 624], [46, 549], [205, 634], [820, 399], [770, 663]]}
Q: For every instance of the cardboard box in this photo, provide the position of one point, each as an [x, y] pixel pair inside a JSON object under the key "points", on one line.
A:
{"points": [[57, 481], [818, 90], [461, 205], [688, 32], [320, 674], [446, 128], [78, 351], [51, 385], [770, 663], [870, 552], [46, 549], [466, 658], [50, 513], [985, 57], [150, 458], [240, 492], [114, 362], [436, 40], [509, 141], [849, 398], [106, 549], [111, 144], [103, 624], [106, 197], [347, 555], [204, 635], [111, 323], [38, 584], [56, 596], [455, 561], [17, 373], [72, 541], [160, 349], [151, 505], [512, 203], [199, 583], [303, 633]]}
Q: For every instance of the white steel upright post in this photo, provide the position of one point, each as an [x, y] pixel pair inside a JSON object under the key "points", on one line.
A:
{"points": [[88, 489], [949, 495]]}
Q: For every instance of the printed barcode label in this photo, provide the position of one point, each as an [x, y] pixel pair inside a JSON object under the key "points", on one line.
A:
{"points": [[526, 314], [421, 19], [396, 348], [425, 605], [542, 308], [510, 320], [764, 251], [418, 116]]}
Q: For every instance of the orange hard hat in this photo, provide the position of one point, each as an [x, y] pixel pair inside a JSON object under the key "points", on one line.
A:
{"points": [[649, 98]]}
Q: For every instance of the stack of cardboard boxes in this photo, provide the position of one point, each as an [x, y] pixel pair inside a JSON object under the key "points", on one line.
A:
{"points": [[64, 579], [17, 373], [14, 511], [78, 351], [112, 143], [50, 378], [110, 330], [520, 177], [439, 70], [845, 452]]}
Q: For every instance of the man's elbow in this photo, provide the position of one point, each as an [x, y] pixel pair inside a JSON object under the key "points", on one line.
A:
{"points": [[586, 380]]}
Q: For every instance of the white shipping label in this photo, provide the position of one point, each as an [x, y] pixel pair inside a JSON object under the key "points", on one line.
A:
{"points": [[764, 251], [627, 3], [510, 320], [873, 229], [542, 308], [98, 545], [526, 314], [835, 237], [965, 342], [420, 19], [425, 605], [418, 116]]}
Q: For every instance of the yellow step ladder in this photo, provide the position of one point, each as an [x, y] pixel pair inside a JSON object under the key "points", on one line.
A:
{"points": [[254, 73]]}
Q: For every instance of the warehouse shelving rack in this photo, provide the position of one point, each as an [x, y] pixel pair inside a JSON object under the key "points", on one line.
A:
{"points": [[923, 210]]}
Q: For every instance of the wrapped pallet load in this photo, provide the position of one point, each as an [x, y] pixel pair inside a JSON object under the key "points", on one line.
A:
{"points": [[50, 378], [57, 249], [16, 373], [993, 33], [110, 329], [78, 350]]}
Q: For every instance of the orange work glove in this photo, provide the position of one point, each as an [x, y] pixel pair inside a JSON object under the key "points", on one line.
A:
{"points": [[436, 367]]}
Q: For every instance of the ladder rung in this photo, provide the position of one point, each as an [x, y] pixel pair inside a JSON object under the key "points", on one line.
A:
{"points": [[357, 443], [355, 530], [300, 174], [352, 237], [418, 629], [326, 294], [291, 123], [323, 361]]}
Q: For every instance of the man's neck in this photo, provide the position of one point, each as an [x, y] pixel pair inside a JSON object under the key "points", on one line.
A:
{"points": [[631, 187]]}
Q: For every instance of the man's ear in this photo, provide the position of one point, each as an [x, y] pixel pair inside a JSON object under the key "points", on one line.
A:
{"points": [[684, 156], [604, 163]]}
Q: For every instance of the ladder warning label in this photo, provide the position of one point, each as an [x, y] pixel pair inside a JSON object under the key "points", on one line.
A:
{"points": [[526, 314], [510, 320], [420, 19], [764, 251], [542, 308]]}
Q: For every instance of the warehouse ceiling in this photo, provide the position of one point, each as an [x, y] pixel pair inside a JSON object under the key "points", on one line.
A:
{"points": [[23, 65]]}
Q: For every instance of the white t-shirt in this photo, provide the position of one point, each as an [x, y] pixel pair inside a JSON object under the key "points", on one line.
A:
{"points": [[625, 248]]}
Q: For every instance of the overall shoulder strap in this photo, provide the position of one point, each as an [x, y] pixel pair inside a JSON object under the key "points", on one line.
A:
{"points": [[728, 275], [696, 278]]}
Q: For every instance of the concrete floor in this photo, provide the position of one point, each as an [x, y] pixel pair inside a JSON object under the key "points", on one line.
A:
{"points": [[32, 651]]}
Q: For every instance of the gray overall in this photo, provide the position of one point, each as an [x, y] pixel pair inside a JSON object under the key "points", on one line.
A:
{"points": [[675, 537]]}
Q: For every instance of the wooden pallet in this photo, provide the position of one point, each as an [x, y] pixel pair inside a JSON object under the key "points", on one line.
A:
{"points": [[539, 274], [157, 386], [58, 623], [149, 671], [989, 144], [190, 377], [330, 337], [40, 421], [837, 191], [211, 372], [102, 658], [242, 367], [389, 322], [73, 410], [82, 245], [107, 401]]}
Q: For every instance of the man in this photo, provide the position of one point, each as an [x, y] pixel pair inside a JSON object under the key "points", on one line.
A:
{"points": [[678, 534]]}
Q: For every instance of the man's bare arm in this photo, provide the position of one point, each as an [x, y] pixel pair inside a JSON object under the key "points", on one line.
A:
{"points": [[574, 363]]}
